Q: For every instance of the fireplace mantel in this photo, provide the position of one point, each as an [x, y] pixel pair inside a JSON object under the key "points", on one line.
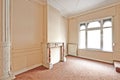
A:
{"points": [[55, 45]]}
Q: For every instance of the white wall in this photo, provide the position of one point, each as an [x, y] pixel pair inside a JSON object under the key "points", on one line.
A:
{"points": [[56, 29]]}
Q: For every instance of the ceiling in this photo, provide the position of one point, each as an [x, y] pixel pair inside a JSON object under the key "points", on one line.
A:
{"points": [[73, 7]]}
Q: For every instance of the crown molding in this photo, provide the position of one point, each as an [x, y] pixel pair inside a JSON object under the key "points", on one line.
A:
{"points": [[59, 7]]}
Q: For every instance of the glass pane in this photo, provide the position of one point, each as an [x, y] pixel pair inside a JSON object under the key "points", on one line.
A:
{"points": [[107, 24], [107, 39], [94, 24], [81, 39], [82, 27], [94, 38]]}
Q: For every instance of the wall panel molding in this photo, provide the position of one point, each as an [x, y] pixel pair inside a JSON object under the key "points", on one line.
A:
{"points": [[26, 69], [25, 49]]}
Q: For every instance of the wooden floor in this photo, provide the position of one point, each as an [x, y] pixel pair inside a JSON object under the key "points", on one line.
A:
{"points": [[73, 69]]}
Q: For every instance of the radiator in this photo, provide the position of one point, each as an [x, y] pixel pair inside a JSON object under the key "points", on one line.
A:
{"points": [[72, 49]]}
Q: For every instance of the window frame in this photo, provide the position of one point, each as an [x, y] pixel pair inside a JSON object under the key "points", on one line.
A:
{"points": [[101, 28]]}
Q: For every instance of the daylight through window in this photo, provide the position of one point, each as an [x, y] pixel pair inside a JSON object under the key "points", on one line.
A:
{"points": [[96, 35]]}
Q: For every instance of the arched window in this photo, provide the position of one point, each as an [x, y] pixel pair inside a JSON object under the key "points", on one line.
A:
{"points": [[107, 23], [107, 35], [96, 35], [82, 27], [93, 35], [82, 36], [94, 24]]}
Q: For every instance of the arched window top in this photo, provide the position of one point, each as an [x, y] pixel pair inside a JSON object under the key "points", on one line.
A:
{"points": [[107, 23], [94, 24], [82, 27]]}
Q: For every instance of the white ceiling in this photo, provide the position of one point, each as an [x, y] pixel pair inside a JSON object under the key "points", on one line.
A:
{"points": [[72, 7]]}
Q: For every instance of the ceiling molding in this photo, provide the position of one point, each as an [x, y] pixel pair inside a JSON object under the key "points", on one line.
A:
{"points": [[53, 4], [92, 10]]}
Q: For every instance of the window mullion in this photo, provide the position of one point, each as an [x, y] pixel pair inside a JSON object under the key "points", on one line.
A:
{"points": [[101, 34], [86, 43]]}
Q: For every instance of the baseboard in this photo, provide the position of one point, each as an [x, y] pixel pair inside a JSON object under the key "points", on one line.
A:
{"points": [[93, 59], [72, 55], [26, 69], [49, 66], [46, 65]]}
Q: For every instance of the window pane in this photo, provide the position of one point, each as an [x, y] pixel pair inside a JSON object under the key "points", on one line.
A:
{"points": [[107, 23], [82, 39], [107, 39], [94, 39], [82, 27], [94, 24]]}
